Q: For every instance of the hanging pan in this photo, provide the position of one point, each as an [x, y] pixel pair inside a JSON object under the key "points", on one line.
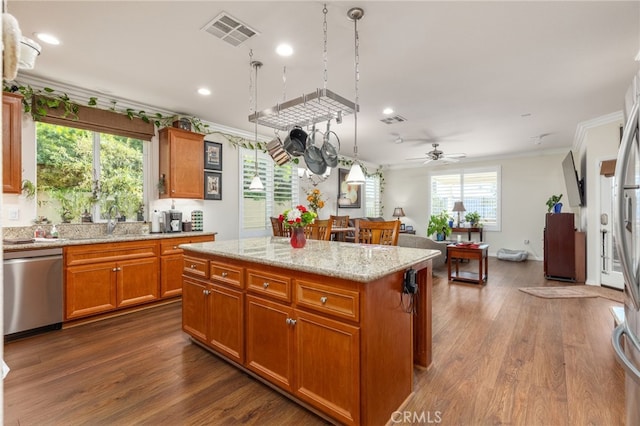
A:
{"points": [[276, 150], [330, 147], [313, 154], [294, 143]]}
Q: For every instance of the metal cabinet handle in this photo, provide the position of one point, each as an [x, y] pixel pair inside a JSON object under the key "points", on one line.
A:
{"points": [[265, 285], [290, 321], [175, 247], [224, 274], [323, 300], [114, 269], [193, 266], [206, 292]]}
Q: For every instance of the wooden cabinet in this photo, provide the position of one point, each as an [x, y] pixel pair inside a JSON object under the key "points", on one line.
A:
{"points": [[181, 163], [11, 143], [194, 308], [104, 277], [564, 249], [172, 263], [226, 321]]}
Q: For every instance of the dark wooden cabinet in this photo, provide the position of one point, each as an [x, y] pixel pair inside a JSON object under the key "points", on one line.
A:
{"points": [[564, 248], [11, 143]]}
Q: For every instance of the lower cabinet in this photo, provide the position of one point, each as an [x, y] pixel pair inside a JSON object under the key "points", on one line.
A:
{"points": [[171, 263], [137, 281]]}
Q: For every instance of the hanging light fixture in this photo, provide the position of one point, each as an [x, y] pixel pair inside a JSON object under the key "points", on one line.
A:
{"points": [[355, 176], [256, 183]]}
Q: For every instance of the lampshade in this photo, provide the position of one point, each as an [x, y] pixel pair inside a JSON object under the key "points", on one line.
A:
{"points": [[458, 207], [256, 184], [355, 176], [398, 212]]}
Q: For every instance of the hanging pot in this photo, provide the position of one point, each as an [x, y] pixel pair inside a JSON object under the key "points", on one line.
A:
{"points": [[313, 155], [330, 147], [294, 143], [276, 150]]}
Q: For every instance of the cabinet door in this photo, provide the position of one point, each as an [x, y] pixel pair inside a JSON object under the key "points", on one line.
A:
{"points": [[328, 366], [182, 163], [137, 281], [11, 143], [171, 275], [270, 341], [194, 308], [90, 289], [225, 333]]}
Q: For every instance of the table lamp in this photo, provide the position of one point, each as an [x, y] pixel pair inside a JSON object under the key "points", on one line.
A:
{"points": [[458, 207], [398, 212]]}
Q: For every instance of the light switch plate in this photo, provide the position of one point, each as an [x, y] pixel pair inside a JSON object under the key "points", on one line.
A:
{"points": [[14, 213]]}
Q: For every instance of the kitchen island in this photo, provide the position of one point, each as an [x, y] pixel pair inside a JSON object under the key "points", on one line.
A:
{"points": [[328, 325]]}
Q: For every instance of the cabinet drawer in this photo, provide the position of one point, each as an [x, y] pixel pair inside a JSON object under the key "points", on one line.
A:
{"points": [[277, 286], [170, 246], [195, 266], [227, 274], [330, 300], [109, 252]]}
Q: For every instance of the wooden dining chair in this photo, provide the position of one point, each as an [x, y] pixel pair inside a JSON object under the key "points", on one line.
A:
{"points": [[318, 230], [339, 222], [383, 233], [278, 228]]}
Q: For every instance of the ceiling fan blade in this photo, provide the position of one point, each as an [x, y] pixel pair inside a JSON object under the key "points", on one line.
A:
{"points": [[459, 155], [416, 158], [428, 160], [449, 160]]}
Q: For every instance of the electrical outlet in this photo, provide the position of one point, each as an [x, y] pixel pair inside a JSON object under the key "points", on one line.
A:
{"points": [[13, 213], [526, 241]]}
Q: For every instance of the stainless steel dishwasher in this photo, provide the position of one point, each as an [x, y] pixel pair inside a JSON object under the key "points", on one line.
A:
{"points": [[32, 291]]}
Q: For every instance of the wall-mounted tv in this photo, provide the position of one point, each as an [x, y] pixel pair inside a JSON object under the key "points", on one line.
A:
{"points": [[575, 186]]}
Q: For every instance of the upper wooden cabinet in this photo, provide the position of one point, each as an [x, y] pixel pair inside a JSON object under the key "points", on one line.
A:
{"points": [[182, 163], [12, 143]]}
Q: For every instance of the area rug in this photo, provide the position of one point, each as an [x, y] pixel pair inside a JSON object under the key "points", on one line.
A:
{"points": [[574, 292]]}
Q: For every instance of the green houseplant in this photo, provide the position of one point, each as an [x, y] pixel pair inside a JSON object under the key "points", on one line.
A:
{"points": [[439, 225], [552, 201], [473, 218]]}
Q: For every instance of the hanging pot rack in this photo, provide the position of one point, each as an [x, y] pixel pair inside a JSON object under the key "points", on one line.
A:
{"points": [[306, 110]]}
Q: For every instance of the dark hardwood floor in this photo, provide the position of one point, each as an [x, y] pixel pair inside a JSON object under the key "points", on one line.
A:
{"points": [[500, 357]]}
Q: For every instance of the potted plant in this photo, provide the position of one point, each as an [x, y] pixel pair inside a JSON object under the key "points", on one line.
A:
{"points": [[473, 218], [553, 203], [439, 225]]}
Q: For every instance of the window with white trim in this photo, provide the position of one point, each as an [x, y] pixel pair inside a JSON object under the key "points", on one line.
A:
{"points": [[280, 194], [478, 189], [373, 201]]}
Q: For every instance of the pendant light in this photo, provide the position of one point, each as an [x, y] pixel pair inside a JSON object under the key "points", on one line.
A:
{"points": [[256, 183], [355, 176]]}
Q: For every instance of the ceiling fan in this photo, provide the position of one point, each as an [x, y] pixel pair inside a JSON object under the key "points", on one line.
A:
{"points": [[438, 155]]}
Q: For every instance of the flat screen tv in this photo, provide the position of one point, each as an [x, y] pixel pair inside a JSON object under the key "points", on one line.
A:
{"points": [[575, 186]]}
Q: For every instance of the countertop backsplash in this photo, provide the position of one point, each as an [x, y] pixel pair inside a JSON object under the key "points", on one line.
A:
{"points": [[77, 230]]}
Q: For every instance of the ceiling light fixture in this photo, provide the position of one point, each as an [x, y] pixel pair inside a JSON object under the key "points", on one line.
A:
{"points": [[387, 111], [284, 49], [204, 91], [355, 176], [256, 183], [47, 38]]}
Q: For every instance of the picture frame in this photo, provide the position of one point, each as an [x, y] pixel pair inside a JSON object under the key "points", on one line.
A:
{"points": [[402, 227], [349, 196], [409, 228], [212, 155], [212, 185]]}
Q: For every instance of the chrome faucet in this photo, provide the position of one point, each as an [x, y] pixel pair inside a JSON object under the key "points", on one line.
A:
{"points": [[111, 223]]}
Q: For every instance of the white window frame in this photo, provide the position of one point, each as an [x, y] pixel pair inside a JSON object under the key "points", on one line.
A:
{"points": [[497, 169], [372, 196]]}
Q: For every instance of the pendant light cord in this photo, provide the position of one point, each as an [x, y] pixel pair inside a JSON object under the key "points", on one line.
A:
{"points": [[357, 78]]}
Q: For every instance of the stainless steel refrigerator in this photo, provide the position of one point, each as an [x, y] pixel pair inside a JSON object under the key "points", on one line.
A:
{"points": [[626, 337]]}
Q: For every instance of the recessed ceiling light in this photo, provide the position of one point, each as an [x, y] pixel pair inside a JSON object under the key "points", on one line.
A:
{"points": [[387, 111], [47, 38], [204, 91], [284, 49]]}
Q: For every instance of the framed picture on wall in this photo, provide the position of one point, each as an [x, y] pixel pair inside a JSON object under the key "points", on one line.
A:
{"points": [[212, 186], [212, 155], [349, 196]]}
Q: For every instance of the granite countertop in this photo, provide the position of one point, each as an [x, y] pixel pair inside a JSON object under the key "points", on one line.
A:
{"points": [[356, 262], [42, 243]]}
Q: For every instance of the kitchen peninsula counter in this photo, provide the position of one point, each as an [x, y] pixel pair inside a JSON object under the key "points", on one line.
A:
{"points": [[328, 324]]}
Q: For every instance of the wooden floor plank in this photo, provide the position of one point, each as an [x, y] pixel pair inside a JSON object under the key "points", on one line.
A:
{"points": [[500, 357]]}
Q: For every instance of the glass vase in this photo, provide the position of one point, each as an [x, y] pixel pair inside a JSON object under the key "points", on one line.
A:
{"points": [[298, 240]]}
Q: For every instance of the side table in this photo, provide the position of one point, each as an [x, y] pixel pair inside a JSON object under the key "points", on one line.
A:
{"points": [[456, 252]]}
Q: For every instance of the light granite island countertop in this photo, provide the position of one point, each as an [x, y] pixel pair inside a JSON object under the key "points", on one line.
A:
{"points": [[356, 262], [329, 325]]}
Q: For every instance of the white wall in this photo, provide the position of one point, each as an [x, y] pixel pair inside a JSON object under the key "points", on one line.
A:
{"points": [[527, 183]]}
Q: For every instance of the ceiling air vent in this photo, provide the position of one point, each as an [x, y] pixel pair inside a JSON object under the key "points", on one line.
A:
{"points": [[230, 29], [393, 120]]}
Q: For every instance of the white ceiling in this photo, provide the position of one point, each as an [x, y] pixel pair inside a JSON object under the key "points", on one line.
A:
{"points": [[461, 73]]}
